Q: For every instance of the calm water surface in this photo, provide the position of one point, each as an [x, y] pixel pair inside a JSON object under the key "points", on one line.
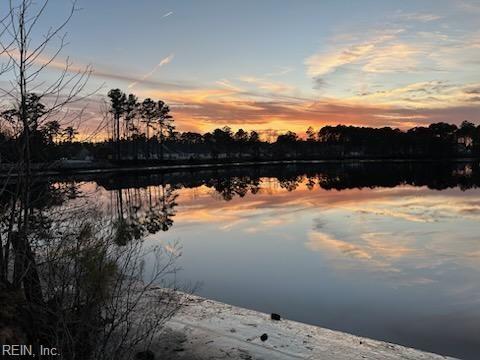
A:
{"points": [[390, 252]]}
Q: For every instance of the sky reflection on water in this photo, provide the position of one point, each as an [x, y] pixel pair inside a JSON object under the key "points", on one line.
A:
{"points": [[399, 264]]}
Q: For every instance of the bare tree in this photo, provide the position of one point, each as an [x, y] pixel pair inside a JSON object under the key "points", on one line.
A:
{"points": [[33, 104], [76, 288]]}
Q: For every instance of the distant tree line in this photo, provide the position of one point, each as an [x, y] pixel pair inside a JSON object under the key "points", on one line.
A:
{"points": [[144, 131], [231, 182], [439, 140]]}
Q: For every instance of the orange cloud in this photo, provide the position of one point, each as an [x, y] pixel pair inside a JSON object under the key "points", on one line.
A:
{"points": [[257, 103], [203, 110]]}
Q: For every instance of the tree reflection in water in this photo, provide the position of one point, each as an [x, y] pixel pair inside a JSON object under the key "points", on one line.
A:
{"points": [[146, 203], [78, 290], [78, 244], [143, 211]]}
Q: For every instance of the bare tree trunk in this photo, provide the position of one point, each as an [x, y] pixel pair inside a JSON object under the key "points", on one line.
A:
{"points": [[25, 270], [148, 141], [116, 136], [161, 143]]}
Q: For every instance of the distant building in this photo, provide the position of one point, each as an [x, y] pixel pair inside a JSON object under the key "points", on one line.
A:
{"points": [[83, 154], [465, 144], [467, 141]]}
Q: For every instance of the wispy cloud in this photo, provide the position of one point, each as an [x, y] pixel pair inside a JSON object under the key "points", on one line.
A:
{"points": [[319, 241], [348, 49], [225, 83], [434, 94], [167, 14], [376, 60], [163, 62], [267, 85], [416, 16], [392, 58], [381, 54], [324, 63], [105, 72], [468, 5], [280, 70]]}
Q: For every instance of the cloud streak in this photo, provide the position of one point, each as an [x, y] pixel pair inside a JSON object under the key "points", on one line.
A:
{"points": [[419, 17], [325, 63], [104, 73], [271, 86], [163, 62]]}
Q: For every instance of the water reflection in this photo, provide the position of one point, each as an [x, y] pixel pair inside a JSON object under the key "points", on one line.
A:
{"points": [[139, 212], [65, 284], [370, 248]]}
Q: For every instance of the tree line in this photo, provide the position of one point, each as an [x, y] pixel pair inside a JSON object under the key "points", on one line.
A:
{"points": [[438, 140], [144, 130]]}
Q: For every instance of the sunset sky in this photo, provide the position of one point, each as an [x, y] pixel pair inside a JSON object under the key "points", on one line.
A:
{"points": [[278, 64]]}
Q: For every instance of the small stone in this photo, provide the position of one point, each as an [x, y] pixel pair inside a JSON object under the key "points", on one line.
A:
{"points": [[275, 317], [264, 337], [145, 355]]}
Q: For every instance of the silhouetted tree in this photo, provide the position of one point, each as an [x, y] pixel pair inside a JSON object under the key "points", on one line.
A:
{"points": [[254, 143], [165, 123], [288, 138], [311, 134], [51, 130], [70, 132], [241, 139], [148, 113], [117, 108]]}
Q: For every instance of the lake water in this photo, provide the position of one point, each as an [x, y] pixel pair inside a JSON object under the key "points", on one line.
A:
{"points": [[389, 251]]}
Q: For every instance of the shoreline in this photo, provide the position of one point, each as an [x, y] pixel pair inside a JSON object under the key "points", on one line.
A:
{"points": [[91, 169], [208, 329]]}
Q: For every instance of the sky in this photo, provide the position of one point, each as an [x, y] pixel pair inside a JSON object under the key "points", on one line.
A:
{"points": [[278, 65]]}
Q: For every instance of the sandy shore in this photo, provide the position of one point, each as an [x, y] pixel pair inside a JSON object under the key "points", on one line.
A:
{"points": [[206, 329]]}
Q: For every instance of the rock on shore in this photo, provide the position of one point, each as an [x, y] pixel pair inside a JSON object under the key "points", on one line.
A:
{"points": [[206, 329]]}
